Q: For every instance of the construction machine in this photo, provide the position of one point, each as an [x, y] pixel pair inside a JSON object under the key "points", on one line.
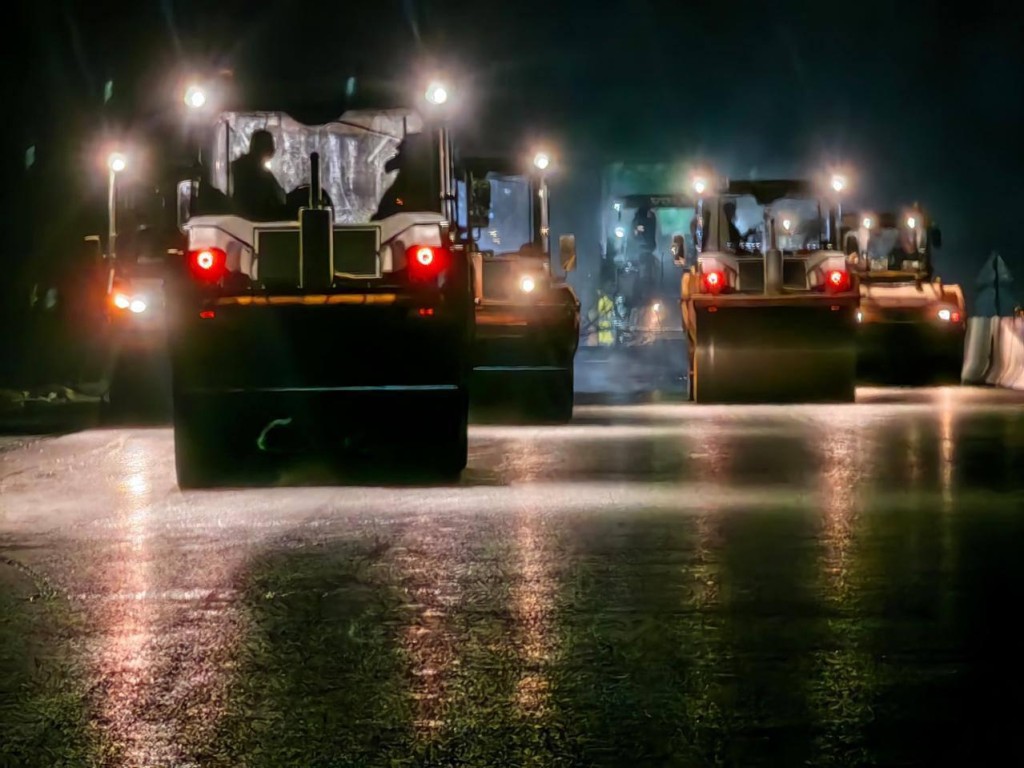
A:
{"points": [[527, 316], [149, 248], [911, 325], [325, 305], [639, 274], [769, 302], [645, 273]]}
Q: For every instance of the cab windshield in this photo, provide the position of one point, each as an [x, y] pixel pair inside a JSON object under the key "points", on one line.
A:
{"points": [[893, 249], [257, 166], [510, 216], [799, 224], [636, 232], [148, 239]]}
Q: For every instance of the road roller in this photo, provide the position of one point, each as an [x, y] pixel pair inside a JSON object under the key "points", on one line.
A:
{"points": [[769, 301], [911, 324]]}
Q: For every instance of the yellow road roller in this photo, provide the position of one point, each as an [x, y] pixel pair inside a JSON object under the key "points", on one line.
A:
{"points": [[769, 301]]}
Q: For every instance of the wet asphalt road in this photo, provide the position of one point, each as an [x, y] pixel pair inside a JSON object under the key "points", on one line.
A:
{"points": [[653, 585]]}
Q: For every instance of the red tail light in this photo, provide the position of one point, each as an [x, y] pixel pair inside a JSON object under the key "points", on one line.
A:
{"points": [[837, 280], [426, 262], [714, 282], [208, 264]]}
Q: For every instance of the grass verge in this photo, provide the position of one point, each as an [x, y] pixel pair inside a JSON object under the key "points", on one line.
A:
{"points": [[44, 715]]}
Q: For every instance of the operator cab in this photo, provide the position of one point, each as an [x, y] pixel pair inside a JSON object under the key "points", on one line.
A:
{"points": [[645, 230], [892, 246], [744, 221], [378, 175], [363, 154], [500, 215]]}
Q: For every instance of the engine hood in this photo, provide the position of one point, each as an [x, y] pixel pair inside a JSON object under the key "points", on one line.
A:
{"points": [[909, 295]]}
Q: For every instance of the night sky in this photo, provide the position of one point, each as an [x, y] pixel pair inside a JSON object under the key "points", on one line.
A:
{"points": [[924, 100]]}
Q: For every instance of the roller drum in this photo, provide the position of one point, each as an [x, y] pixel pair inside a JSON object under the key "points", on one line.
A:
{"points": [[775, 354]]}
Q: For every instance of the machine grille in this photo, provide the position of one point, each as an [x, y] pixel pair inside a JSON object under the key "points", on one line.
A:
{"points": [[277, 253], [277, 258], [751, 275], [355, 252], [794, 274]]}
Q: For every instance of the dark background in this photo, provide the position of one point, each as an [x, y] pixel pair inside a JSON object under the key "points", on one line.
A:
{"points": [[925, 101]]}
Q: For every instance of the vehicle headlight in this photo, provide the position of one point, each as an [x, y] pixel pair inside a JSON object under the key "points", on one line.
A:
{"points": [[127, 302], [527, 284]]}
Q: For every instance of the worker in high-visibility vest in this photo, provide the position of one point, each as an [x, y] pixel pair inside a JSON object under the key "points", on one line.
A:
{"points": [[592, 320], [605, 310]]}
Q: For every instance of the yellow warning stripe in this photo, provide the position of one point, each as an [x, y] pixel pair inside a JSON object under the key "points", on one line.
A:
{"points": [[494, 318], [319, 299]]}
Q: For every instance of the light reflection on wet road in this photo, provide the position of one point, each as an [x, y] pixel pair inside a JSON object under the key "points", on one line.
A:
{"points": [[660, 583]]}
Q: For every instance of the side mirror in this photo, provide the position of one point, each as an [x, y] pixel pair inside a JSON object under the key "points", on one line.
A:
{"points": [[936, 237], [184, 201], [480, 207], [567, 252], [678, 250]]}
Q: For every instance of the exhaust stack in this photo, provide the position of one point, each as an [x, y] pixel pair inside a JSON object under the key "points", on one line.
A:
{"points": [[772, 259], [316, 257]]}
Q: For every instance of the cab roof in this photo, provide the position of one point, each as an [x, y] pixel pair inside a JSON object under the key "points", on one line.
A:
{"points": [[767, 191], [883, 220], [369, 121], [502, 166]]}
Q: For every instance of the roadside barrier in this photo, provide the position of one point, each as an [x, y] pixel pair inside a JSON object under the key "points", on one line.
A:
{"points": [[994, 352]]}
